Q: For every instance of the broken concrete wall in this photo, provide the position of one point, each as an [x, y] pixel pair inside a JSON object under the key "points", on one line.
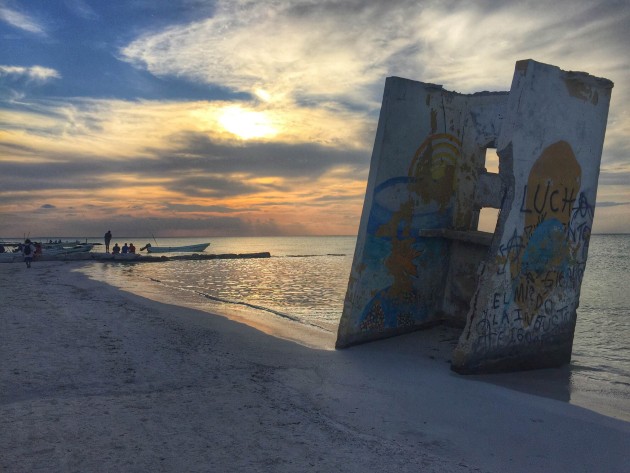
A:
{"points": [[523, 313], [428, 154], [419, 259]]}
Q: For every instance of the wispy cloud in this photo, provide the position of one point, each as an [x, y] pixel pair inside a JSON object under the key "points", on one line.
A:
{"points": [[81, 9], [34, 73], [295, 51], [20, 20], [340, 50]]}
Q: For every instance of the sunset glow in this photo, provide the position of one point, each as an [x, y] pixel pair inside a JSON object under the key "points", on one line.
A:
{"points": [[230, 117], [246, 124]]}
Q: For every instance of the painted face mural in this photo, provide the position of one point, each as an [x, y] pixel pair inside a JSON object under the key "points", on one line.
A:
{"points": [[402, 207]]}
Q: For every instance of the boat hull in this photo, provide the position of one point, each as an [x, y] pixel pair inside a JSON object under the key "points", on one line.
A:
{"points": [[178, 249], [61, 250]]}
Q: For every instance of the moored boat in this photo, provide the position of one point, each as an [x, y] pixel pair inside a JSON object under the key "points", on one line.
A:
{"points": [[175, 249], [64, 250], [12, 251]]}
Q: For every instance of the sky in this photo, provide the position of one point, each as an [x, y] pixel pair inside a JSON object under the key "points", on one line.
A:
{"points": [[257, 118]]}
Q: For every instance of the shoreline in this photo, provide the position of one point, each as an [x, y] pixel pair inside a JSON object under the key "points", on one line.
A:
{"points": [[564, 383], [99, 379], [263, 320], [87, 256]]}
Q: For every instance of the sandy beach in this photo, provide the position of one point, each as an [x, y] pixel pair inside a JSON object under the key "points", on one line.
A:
{"points": [[95, 379]]}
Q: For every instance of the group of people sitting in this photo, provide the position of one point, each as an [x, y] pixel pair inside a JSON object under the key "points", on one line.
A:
{"points": [[116, 250]]}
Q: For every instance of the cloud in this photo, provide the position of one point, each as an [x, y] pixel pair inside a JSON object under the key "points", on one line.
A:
{"points": [[611, 204], [46, 224], [615, 176], [20, 20], [37, 74], [193, 165], [298, 160], [199, 208], [342, 50], [294, 51], [194, 185], [81, 9]]}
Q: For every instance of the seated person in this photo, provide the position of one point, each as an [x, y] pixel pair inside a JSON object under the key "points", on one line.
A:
{"points": [[116, 249], [125, 249], [132, 249]]}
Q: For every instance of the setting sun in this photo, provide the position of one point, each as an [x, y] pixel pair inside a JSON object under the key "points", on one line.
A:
{"points": [[246, 124]]}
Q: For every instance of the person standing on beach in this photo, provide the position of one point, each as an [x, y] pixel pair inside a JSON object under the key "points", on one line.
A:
{"points": [[28, 250], [108, 239]]}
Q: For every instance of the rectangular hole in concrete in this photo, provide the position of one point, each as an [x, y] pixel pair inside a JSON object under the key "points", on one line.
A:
{"points": [[492, 160], [488, 216], [488, 219]]}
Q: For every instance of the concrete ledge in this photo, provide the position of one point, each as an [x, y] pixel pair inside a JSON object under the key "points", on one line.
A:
{"points": [[474, 237]]}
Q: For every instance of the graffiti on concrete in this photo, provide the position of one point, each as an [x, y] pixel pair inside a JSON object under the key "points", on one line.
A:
{"points": [[402, 207], [545, 259], [419, 258]]}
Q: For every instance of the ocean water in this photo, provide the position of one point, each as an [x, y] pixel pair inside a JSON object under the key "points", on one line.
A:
{"points": [[306, 279], [601, 345]]}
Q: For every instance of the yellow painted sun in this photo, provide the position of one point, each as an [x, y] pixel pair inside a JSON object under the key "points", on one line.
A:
{"points": [[246, 124]]}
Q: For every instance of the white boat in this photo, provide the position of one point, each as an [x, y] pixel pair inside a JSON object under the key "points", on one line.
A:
{"points": [[13, 254], [175, 249], [64, 250]]}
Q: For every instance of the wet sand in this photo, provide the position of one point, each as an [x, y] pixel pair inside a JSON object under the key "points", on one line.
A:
{"points": [[570, 383], [98, 379]]}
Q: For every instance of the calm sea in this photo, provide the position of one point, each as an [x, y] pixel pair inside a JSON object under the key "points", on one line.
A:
{"points": [[306, 279]]}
